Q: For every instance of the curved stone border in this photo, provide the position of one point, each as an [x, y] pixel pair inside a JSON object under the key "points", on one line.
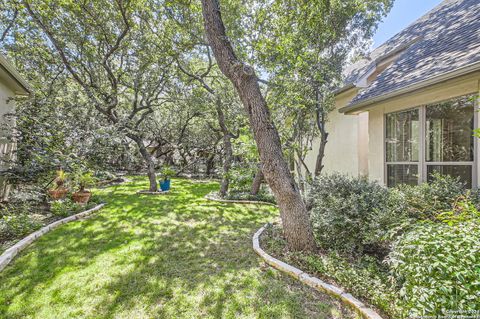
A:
{"points": [[313, 282], [114, 182], [234, 201], [10, 253], [145, 192]]}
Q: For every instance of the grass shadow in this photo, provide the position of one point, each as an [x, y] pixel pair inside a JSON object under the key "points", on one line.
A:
{"points": [[172, 256]]}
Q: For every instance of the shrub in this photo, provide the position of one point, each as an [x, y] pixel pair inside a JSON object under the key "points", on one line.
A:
{"points": [[463, 210], [349, 214], [437, 267], [355, 215], [426, 200], [167, 172]]}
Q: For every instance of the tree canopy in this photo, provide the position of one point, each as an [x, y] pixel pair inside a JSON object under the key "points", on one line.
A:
{"points": [[142, 84]]}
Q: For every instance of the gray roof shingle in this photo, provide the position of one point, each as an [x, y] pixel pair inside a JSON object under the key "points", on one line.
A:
{"points": [[444, 40]]}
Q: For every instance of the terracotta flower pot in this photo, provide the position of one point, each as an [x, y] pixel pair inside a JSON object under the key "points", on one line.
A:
{"points": [[81, 197], [58, 193]]}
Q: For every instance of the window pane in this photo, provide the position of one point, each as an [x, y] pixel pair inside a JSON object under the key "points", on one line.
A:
{"points": [[449, 130], [462, 171], [402, 174], [402, 136]]}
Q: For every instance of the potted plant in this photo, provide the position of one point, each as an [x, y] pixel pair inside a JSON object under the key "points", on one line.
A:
{"points": [[59, 191], [83, 181], [167, 172]]}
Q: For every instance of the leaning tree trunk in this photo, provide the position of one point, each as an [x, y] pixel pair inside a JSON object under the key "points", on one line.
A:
{"points": [[257, 181], [293, 212], [321, 153], [321, 122], [147, 157]]}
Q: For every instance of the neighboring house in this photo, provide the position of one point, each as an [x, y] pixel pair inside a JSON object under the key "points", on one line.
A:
{"points": [[11, 85], [409, 109]]}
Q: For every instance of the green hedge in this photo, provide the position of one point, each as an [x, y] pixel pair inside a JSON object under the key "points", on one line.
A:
{"points": [[428, 236]]}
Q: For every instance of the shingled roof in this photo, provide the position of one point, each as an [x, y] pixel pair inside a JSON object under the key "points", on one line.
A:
{"points": [[445, 40]]}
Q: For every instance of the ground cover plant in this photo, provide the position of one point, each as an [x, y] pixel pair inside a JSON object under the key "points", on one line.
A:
{"points": [[172, 256], [408, 251]]}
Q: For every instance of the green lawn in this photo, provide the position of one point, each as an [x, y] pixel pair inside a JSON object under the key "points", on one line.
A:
{"points": [[170, 256]]}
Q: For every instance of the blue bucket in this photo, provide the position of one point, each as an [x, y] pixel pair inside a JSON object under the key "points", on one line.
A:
{"points": [[165, 185]]}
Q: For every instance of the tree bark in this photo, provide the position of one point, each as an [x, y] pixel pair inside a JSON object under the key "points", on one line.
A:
{"points": [[227, 164], [257, 181], [227, 148], [210, 165], [321, 121], [293, 212], [301, 180], [147, 157], [321, 154]]}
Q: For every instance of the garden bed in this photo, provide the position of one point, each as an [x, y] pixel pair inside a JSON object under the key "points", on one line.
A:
{"points": [[410, 251], [300, 274], [16, 223], [360, 279], [242, 198], [29, 210]]}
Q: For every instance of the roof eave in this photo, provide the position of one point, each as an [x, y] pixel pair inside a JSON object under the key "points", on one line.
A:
{"points": [[407, 89], [10, 69]]}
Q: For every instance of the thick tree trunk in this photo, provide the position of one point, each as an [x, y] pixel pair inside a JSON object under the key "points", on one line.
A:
{"points": [[296, 224], [147, 157], [257, 181]]}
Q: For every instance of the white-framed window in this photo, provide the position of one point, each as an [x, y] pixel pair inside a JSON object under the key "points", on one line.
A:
{"points": [[431, 138]]}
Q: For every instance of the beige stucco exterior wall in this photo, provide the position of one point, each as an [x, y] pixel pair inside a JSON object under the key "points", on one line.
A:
{"points": [[363, 140], [341, 152], [356, 142], [439, 92]]}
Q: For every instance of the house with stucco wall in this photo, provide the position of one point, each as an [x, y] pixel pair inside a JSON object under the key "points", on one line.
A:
{"points": [[409, 108], [11, 85]]}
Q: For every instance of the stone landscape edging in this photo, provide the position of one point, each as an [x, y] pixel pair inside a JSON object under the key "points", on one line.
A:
{"points": [[238, 201], [13, 251], [313, 282], [145, 192]]}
